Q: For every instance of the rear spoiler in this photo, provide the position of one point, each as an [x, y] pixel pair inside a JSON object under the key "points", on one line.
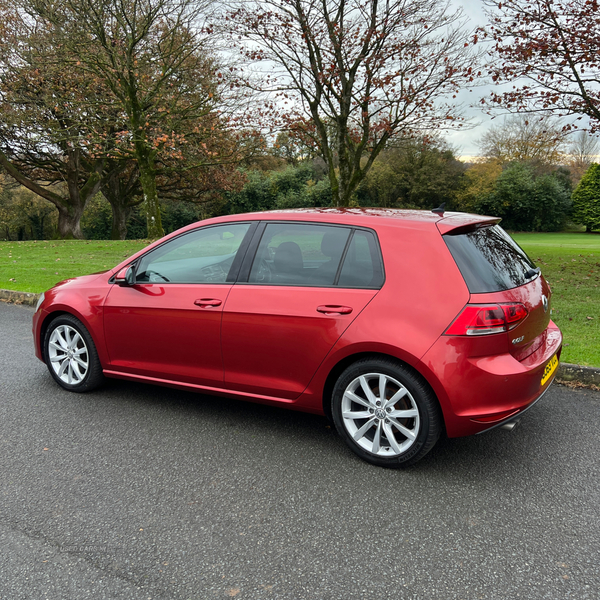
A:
{"points": [[456, 223]]}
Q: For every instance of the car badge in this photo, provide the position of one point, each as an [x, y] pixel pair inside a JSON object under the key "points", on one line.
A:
{"points": [[545, 302]]}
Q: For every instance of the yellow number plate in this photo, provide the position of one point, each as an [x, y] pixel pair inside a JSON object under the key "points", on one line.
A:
{"points": [[550, 368]]}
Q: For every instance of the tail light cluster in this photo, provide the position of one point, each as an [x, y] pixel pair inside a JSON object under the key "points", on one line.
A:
{"points": [[486, 319]]}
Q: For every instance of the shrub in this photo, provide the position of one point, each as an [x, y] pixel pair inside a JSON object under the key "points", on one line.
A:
{"points": [[526, 202], [292, 187]]}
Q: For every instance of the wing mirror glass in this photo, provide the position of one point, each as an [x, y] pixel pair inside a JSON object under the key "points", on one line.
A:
{"points": [[125, 277]]}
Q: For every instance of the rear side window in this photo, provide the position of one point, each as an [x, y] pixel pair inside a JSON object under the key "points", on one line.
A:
{"points": [[316, 255], [489, 259], [299, 254]]}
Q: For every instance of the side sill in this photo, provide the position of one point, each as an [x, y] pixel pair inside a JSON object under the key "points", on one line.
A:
{"points": [[197, 388]]}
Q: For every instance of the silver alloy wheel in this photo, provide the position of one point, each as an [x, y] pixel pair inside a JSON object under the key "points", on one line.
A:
{"points": [[68, 354], [380, 415]]}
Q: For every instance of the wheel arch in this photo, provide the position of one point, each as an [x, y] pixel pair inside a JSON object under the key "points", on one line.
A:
{"points": [[57, 313], [75, 366], [44, 328], [345, 362]]}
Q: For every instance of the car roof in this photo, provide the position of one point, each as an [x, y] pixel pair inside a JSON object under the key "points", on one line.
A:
{"points": [[358, 217], [368, 217]]}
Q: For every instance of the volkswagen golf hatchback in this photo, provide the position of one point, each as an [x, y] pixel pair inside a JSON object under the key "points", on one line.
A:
{"points": [[398, 325]]}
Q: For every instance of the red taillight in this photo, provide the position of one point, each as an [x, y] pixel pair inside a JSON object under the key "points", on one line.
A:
{"points": [[485, 319], [514, 314]]}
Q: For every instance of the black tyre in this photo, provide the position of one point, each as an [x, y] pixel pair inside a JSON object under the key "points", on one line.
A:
{"points": [[385, 412], [71, 355]]}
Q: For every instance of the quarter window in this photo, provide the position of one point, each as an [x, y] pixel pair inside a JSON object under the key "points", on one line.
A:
{"points": [[201, 256], [362, 265]]}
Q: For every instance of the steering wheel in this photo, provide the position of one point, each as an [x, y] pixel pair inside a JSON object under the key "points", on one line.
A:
{"points": [[154, 277]]}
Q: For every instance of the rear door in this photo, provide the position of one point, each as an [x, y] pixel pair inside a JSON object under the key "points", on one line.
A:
{"points": [[301, 287]]}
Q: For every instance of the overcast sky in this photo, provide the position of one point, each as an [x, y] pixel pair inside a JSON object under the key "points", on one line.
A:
{"points": [[465, 140]]}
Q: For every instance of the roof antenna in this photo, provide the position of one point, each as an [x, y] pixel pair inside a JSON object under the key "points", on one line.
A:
{"points": [[440, 209]]}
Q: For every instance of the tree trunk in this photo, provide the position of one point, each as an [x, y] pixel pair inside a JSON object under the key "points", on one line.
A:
{"points": [[151, 203], [70, 213], [120, 214], [69, 222], [70, 208], [120, 187]]}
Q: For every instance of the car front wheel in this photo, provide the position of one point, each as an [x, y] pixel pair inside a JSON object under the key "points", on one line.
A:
{"points": [[71, 356], [385, 412]]}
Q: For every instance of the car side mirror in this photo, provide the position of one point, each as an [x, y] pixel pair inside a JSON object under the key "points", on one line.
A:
{"points": [[125, 277]]}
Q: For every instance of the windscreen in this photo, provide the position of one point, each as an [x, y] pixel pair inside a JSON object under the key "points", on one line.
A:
{"points": [[489, 259]]}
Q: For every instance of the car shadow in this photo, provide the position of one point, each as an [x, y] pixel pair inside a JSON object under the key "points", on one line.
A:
{"points": [[496, 454]]}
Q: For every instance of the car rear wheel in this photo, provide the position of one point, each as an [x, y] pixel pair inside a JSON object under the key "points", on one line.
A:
{"points": [[385, 412], [71, 355]]}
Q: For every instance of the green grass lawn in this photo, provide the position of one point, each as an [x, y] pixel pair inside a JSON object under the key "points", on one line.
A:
{"points": [[37, 266], [569, 261], [571, 264]]}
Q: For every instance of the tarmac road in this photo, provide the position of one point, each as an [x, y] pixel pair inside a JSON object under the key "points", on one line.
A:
{"points": [[139, 492]]}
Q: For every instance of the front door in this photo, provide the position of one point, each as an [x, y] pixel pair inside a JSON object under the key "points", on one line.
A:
{"points": [[167, 325]]}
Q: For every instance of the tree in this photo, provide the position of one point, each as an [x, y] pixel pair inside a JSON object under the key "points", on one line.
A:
{"points": [[548, 50], [71, 205], [527, 202], [584, 150], [586, 199], [147, 53], [290, 148], [524, 138], [292, 187], [415, 173], [115, 96], [23, 215], [38, 119], [120, 186], [479, 181], [353, 74]]}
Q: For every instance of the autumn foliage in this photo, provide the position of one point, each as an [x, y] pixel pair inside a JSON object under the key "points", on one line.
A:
{"points": [[120, 97], [549, 51]]}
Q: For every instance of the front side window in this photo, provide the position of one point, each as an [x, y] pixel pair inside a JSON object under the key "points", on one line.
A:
{"points": [[201, 256], [299, 254]]}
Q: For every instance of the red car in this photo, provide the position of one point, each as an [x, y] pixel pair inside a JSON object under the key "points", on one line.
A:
{"points": [[398, 325]]}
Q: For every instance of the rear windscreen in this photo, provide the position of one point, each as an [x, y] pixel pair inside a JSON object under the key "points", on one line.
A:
{"points": [[489, 259]]}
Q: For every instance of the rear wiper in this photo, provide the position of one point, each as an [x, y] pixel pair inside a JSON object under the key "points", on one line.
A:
{"points": [[532, 273]]}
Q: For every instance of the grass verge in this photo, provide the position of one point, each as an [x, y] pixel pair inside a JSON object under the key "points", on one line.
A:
{"points": [[37, 266], [569, 261]]}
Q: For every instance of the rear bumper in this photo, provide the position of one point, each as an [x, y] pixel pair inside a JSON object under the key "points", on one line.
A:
{"points": [[483, 392], [516, 417]]}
